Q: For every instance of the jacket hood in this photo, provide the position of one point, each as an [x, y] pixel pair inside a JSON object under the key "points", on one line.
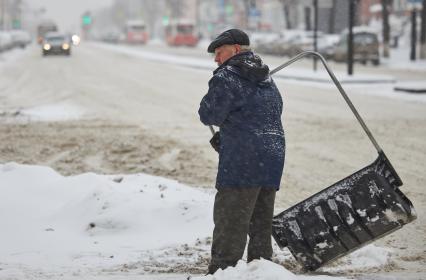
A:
{"points": [[249, 66]]}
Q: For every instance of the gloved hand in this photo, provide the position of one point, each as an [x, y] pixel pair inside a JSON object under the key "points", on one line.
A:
{"points": [[215, 141]]}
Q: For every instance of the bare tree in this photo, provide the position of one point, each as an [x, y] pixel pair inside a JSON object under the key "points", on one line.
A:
{"points": [[152, 11], [332, 18], [423, 32], [386, 28], [286, 11], [308, 22]]}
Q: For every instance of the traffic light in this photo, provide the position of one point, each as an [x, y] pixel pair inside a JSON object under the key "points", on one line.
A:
{"points": [[16, 24], [87, 19], [166, 20]]}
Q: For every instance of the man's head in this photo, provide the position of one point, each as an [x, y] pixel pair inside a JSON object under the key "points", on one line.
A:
{"points": [[228, 44]]}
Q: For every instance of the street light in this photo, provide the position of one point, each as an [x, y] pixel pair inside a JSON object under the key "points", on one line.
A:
{"points": [[350, 56], [414, 5]]}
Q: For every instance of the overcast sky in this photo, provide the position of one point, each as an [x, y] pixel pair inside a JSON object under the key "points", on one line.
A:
{"points": [[67, 13]]}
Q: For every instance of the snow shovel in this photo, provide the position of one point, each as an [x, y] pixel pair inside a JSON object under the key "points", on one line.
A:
{"points": [[349, 214]]}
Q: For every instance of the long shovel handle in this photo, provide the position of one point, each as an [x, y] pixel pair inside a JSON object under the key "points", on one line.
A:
{"points": [[339, 87]]}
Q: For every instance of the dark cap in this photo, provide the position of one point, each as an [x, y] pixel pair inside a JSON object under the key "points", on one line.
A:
{"points": [[229, 37]]}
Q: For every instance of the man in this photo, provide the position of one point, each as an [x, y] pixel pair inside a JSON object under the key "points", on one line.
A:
{"points": [[245, 104]]}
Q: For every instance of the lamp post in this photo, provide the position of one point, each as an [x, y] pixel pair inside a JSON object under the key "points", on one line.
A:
{"points": [[414, 5], [413, 34], [423, 32], [350, 57], [315, 32]]}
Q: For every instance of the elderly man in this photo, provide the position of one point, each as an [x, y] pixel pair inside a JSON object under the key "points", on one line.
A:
{"points": [[244, 102]]}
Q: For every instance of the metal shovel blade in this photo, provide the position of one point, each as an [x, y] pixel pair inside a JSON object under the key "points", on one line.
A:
{"points": [[345, 216]]}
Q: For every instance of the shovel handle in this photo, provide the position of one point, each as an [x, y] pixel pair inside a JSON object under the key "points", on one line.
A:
{"points": [[212, 129], [339, 87]]}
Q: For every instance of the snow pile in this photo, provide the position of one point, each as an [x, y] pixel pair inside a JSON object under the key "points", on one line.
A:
{"points": [[136, 224], [367, 257], [400, 59], [259, 269], [50, 219]]}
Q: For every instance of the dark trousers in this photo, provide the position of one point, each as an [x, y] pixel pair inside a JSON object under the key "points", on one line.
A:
{"points": [[238, 212]]}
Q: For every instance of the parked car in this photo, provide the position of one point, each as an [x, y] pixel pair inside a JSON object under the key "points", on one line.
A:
{"points": [[56, 43], [366, 47], [112, 36], [20, 38], [303, 41], [274, 43], [6, 42], [292, 42], [327, 45]]}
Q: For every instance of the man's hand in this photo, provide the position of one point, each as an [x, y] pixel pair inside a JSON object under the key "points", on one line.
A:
{"points": [[215, 141]]}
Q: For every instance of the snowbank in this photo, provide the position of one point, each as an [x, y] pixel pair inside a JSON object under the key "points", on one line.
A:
{"points": [[122, 225], [50, 219]]}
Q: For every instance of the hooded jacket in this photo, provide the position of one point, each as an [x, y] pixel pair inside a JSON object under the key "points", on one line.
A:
{"points": [[245, 103]]}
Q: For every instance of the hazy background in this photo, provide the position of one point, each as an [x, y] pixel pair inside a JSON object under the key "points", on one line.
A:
{"points": [[67, 13]]}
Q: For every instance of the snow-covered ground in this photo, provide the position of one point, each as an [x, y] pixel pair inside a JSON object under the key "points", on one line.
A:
{"points": [[93, 224], [130, 114]]}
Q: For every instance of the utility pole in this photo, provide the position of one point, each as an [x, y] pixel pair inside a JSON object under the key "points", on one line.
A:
{"points": [[413, 34], [386, 28], [350, 57], [315, 32], [423, 32]]}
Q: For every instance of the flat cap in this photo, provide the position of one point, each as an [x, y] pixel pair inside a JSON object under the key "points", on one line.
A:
{"points": [[229, 37]]}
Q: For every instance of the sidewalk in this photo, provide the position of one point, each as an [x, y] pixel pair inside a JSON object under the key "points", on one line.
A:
{"points": [[293, 73]]}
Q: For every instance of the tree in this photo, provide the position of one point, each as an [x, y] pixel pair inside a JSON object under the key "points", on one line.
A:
{"points": [[386, 28], [423, 32], [332, 18], [286, 9], [291, 16]]}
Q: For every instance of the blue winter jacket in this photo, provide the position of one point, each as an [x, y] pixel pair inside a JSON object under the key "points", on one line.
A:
{"points": [[245, 103]]}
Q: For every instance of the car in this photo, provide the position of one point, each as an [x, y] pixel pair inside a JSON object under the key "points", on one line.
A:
{"points": [[56, 43], [327, 45], [291, 42], [20, 38], [365, 46], [303, 41], [6, 41], [112, 36], [274, 43]]}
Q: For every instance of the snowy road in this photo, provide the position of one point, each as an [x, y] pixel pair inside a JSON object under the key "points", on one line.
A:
{"points": [[111, 111]]}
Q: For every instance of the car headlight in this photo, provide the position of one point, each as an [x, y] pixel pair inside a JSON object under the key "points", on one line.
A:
{"points": [[75, 39], [65, 46], [46, 47]]}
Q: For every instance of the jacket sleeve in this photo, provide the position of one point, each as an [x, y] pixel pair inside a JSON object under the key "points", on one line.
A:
{"points": [[218, 102]]}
